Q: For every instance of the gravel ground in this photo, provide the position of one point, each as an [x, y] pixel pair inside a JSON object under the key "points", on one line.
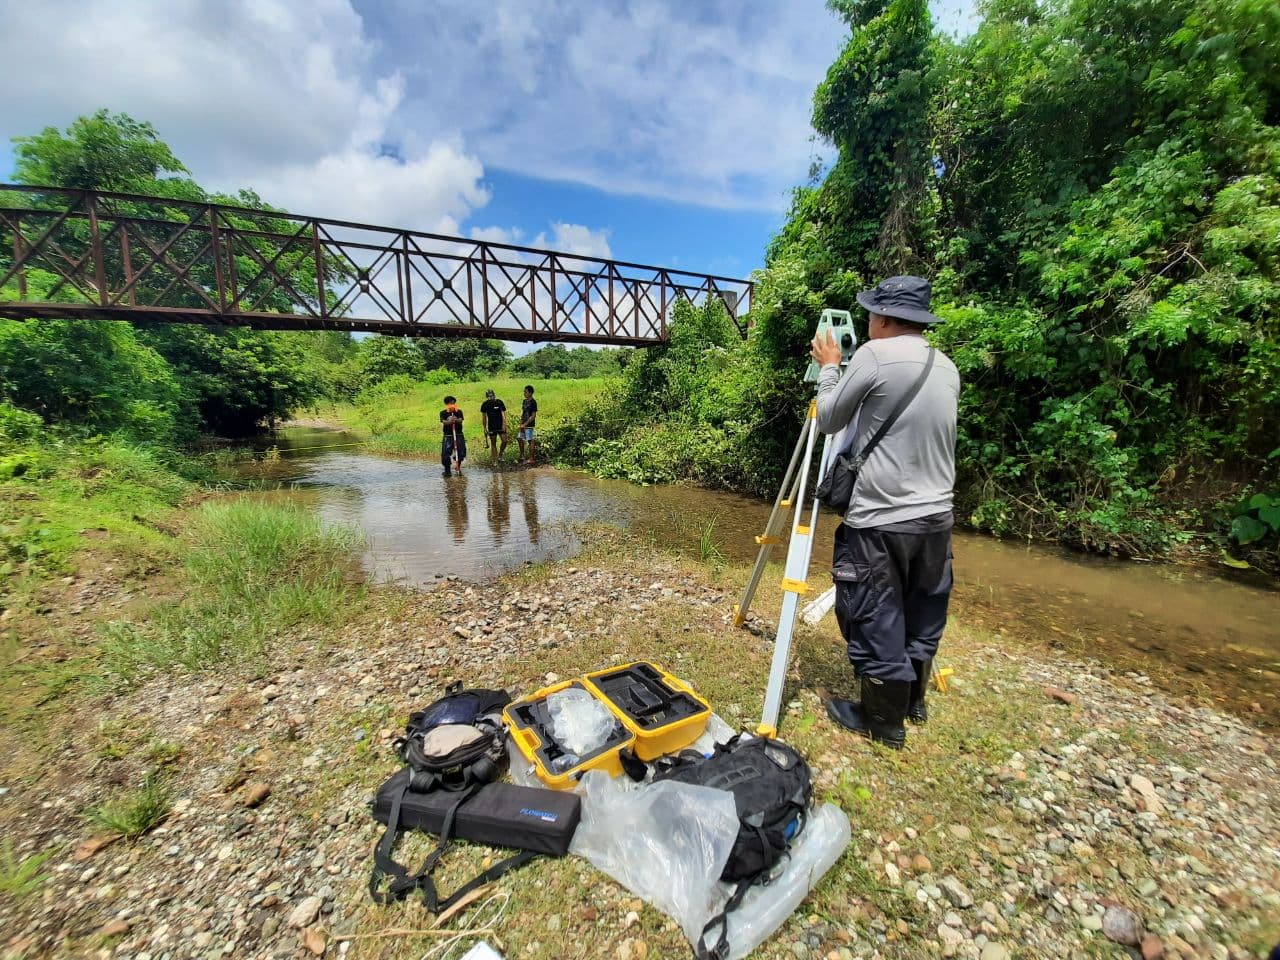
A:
{"points": [[1108, 821]]}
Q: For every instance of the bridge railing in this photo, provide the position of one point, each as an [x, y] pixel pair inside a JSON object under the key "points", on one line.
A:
{"points": [[96, 254]]}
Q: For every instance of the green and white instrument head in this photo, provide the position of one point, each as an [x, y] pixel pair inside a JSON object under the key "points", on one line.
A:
{"points": [[840, 324]]}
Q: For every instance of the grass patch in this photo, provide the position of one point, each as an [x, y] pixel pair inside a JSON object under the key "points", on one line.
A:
{"points": [[21, 876], [254, 570], [133, 813], [58, 497], [409, 423]]}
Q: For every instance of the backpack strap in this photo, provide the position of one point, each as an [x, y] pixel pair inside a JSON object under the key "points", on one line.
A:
{"points": [[403, 883], [383, 863]]}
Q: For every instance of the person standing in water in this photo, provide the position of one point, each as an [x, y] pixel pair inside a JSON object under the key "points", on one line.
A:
{"points": [[454, 445], [494, 412]]}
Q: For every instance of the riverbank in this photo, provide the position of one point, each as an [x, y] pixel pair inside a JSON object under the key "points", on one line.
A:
{"points": [[1042, 791]]}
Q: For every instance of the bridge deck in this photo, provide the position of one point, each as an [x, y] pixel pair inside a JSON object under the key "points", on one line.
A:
{"points": [[99, 255]]}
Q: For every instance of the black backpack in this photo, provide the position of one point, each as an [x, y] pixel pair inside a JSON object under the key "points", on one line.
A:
{"points": [[455, 745], [771, 787]]}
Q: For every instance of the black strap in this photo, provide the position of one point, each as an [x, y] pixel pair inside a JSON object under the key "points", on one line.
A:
{"points": [[903, 403], [403, 883], [720, 951]]}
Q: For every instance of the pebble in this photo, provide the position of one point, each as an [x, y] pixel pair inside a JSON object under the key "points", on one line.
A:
{"points": [[951, 940], [956, 892], [305, 913], [1122, 925]]}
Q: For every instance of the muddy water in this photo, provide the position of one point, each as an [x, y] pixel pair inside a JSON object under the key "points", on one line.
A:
{"points": [[1189, 629]]}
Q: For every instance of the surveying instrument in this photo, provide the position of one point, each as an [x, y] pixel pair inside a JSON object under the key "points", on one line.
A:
{"points": [[795, 485]]}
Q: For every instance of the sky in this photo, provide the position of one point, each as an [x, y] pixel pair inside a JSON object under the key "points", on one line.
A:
{"points": [[656, 131]]}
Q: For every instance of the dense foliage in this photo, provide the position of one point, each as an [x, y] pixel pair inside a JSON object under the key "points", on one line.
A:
{"points": [[556, 362], [1094, 188]]}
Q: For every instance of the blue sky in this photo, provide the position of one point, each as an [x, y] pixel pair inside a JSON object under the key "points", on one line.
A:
{"points": [[658, 131]]}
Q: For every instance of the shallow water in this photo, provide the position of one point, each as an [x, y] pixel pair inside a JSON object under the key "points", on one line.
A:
{"points": [[1190, 628]]}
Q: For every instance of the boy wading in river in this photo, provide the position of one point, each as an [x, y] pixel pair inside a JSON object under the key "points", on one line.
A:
{"points": [[494, 412], [453, 448], [528, 415]]}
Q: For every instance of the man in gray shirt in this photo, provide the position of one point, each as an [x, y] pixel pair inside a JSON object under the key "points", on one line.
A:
{"points": [[892, 563]]}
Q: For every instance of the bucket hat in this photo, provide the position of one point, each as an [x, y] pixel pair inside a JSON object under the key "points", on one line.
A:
{"points": [[904, 298]]}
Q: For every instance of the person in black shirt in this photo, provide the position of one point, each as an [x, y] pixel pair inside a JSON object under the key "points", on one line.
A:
{"points": [[494, 412], [454, 446], [528, 415]]}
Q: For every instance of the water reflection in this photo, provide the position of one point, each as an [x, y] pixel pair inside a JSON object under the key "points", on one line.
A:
{"points": [[497, 505], [529, 501], [455, 504]]}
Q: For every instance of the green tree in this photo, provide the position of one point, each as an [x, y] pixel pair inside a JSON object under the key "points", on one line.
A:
{"points": [[230, 381]]}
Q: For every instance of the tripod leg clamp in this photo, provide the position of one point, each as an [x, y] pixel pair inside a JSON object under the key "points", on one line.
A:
{"points": [[799, 587]]}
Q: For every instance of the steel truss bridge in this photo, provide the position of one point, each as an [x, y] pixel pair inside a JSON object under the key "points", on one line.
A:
{"points": [[91, 254]]}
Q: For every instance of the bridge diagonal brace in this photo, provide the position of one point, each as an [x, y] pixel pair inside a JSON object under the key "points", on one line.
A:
{"points": [[159, 257], [278, 280]]}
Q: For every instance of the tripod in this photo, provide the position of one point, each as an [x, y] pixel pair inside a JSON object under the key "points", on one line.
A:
{"points": [[799, 552]]}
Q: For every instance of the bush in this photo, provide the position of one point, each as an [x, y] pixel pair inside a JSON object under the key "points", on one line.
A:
{"points": [[17, 424], [96, 376]]}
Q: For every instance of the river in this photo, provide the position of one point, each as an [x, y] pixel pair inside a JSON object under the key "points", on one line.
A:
{"points": [[1191, 630]]}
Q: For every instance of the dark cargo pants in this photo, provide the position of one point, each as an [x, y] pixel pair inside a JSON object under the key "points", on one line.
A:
{"points": [[446, 450], [892, 591]]}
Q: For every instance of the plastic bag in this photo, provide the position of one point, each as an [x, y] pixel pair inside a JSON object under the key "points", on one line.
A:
{"points": [[766, 907], [666, 842], [579, 722]]}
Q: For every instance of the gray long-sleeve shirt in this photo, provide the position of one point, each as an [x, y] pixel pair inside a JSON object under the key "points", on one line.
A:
{"points": [[912, 472]]}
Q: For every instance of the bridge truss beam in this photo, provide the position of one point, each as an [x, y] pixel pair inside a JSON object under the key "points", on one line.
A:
{"points": [[97, 255]]}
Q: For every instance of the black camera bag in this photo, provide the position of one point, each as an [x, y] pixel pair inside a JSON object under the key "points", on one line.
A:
{"points": [[469, 724]]}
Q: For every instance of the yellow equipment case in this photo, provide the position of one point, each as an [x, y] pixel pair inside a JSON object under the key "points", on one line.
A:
{"points": [[657, 714]]}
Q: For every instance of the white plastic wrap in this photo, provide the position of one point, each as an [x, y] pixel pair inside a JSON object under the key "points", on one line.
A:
{"points": [[765, 908], [579, 722], [666, 842]]}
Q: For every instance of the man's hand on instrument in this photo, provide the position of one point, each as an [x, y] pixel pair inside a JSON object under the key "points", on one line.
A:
{"points": [[824, 349]]}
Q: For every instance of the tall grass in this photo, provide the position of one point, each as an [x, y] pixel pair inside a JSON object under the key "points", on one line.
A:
{"points": [[709, 551], [254, 571]]}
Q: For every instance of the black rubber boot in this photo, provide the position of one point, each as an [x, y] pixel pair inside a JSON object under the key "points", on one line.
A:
{"points": [[917, 712], [879, 716]]}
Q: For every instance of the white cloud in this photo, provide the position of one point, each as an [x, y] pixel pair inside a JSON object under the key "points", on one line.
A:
{"points": [[390, 107], [704, 102], [290, 99]]}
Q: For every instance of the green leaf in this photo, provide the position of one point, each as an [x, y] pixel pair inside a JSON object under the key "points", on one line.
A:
{"points": [[1271, 516], [1247, 530], [1258, 501], [1274, 453], [1231, 561]]}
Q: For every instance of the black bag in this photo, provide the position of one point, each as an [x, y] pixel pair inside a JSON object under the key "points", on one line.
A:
{"points": [[772, 787], [835, 489], [453, 747]]}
